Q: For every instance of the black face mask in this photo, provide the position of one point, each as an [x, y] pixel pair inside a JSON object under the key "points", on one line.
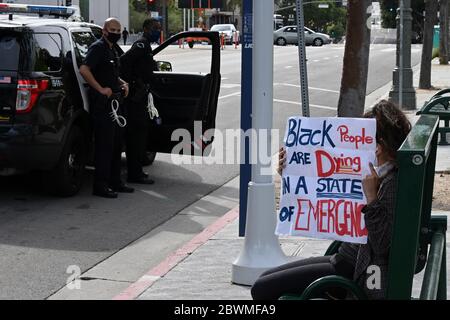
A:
{"points": [[113, 37]]}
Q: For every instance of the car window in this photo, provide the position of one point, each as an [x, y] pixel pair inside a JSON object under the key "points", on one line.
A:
{"points": [[82, 41], [47, 53], [9, 51], [291, 30], [98, 33], [220, 28]]}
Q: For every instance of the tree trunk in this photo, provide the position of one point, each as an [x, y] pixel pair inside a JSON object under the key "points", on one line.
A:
{"points": [[431, 7], [356, 60], [443, 41]]}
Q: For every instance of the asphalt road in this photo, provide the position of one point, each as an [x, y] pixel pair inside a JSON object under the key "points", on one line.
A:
{"points": [[41, 236]]}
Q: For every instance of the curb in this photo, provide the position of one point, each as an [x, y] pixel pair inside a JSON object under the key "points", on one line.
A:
{"points": [[153, 275]]}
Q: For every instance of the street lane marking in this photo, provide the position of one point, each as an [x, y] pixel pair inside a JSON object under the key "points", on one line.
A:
{"points": [[230, 85], [316, 60], [299, 104], [310, 88], [288, 67], [230, 95]]}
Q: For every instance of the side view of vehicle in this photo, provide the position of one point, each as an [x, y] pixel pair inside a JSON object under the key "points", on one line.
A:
{"points": [[44, 110], [288, 35]]}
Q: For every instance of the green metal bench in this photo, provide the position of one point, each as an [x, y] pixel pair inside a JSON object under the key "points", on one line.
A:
{"points": [[439, 106], [415, 230]]}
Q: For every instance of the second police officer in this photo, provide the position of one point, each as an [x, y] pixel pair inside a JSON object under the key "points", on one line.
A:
{"points": [[137, 66]]}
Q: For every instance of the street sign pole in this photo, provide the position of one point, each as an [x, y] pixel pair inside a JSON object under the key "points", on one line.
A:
{"points": [[261, 249], [246, 109], [302, 59]]}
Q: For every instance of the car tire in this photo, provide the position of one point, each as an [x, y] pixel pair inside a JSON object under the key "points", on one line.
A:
{"points": [[191, 44], [281, 41], [66, 179], [318, 42]]}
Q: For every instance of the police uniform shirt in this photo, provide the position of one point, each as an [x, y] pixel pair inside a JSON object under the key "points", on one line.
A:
{"points": [[137, 63], [104, 64]]}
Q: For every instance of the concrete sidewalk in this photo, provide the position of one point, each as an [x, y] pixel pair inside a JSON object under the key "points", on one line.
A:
{"points": [[201, 270]]}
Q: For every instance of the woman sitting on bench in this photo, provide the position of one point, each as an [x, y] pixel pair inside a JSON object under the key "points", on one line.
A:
{"points": [[352, 260]]}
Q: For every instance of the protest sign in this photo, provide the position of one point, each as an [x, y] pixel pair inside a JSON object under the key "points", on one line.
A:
{"points": [[321, 188]]}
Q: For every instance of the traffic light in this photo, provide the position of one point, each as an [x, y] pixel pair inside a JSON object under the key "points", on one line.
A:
{"points": [[151, 5], [201, 4]]}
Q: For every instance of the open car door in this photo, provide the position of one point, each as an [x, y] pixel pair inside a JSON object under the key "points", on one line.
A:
{"points": [[186, 100]]}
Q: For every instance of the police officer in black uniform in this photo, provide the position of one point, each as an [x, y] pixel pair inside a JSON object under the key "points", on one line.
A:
{"points": [[101, 69], [137, 66]]}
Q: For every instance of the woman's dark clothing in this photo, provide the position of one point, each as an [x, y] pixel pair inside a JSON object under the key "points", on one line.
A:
{"points": [[295, 277], [351, 261]]}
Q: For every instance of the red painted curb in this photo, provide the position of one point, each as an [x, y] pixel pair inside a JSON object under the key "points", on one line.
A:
{"points": [[147, 280]]}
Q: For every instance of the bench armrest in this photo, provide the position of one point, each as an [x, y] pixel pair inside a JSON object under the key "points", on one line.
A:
{"points": [[327, 282], [333, 248], [428, 106], [440, 93]]}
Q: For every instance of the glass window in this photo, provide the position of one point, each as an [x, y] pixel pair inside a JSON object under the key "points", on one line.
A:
{"points": [[48, 55], [9, 51], [98, 32], [82, 41]]}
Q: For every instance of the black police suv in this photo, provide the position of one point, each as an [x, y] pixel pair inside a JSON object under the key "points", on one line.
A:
{"points": [[44, 110]]}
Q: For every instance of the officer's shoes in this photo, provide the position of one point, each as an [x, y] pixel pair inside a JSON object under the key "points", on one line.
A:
{"points": [[123, 189], [141, 180], [105, 193]]}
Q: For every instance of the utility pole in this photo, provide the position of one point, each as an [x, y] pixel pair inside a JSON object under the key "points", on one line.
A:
{"points": [[164, 13], [404, 69]]}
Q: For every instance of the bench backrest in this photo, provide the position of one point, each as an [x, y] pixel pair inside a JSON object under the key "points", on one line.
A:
{"points": [[416, 159]]}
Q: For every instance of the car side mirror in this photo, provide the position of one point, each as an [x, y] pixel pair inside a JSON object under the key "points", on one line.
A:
{"points": [[164, 66]]}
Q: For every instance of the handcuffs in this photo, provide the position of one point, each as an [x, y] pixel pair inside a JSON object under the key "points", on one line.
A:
{"points": [[115, 105]]}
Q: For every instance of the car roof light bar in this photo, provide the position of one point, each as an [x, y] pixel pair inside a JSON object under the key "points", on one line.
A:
{"points": [[59, 11]]}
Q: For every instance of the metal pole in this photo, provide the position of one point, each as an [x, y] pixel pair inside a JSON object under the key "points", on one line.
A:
{"points": [[246, 110], [109, 8], [184, 19], [302, 59], [188, 18], [261, 247], [405, 70], [402, 36]]}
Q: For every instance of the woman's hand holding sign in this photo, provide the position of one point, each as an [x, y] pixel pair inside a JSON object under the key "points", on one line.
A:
{"points": [[281, 161], [371, 184]]}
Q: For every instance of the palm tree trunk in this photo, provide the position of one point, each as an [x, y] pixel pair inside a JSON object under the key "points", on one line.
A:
{"points": [[431, 7], [356, 60]]}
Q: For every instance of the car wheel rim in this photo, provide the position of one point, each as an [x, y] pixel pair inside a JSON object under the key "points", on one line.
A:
{"points": [[74, 164]]}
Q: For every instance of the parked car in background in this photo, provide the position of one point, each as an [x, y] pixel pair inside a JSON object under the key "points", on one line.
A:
{"points": [[288, 35], [226, 29]]}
